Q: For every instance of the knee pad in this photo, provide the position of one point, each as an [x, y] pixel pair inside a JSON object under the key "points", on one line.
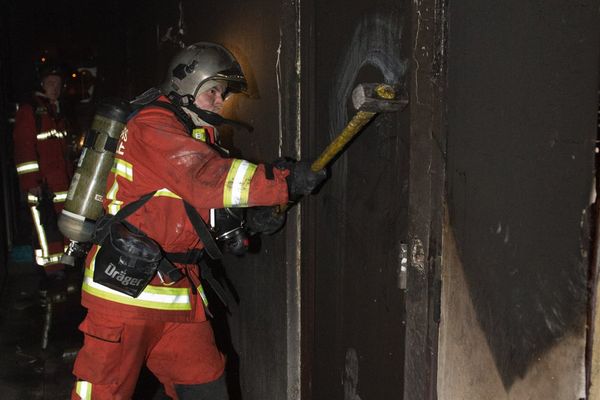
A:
{"points": [[215, 390]]}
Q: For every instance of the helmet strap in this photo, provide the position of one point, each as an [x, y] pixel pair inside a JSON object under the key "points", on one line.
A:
{"points": [[181, 100], [207, 116]]}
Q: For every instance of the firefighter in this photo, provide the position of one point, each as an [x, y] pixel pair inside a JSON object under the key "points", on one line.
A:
{"points": [[43, 165], [169, 177]]}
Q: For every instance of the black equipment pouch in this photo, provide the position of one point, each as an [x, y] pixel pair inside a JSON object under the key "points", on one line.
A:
{"points": [[126, 261]]}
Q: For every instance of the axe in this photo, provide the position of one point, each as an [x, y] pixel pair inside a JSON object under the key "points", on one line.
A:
{"points": [[369, 99]]}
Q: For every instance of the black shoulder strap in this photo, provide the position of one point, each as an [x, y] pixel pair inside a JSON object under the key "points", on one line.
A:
{"points": [[103, 224], [181, 116], [210, 246]]}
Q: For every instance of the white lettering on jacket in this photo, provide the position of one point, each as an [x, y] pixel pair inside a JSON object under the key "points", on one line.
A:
{"points": [[122, 140]]}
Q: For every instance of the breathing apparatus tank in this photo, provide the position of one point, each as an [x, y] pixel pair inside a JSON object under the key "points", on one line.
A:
{"points": [[88, 186]]}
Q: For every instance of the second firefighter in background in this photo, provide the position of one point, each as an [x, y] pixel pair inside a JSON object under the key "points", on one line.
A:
{"points": [[44, 166]]}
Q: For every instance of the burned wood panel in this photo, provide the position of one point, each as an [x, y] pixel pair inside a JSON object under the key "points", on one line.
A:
{"points": [[360, 215], [521, 126]]}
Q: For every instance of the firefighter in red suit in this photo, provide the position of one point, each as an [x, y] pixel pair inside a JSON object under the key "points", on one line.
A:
{"points": [[43, 165], [167, 149]]}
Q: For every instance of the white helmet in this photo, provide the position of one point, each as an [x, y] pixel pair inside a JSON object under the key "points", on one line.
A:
{"points": [[199, 64]]}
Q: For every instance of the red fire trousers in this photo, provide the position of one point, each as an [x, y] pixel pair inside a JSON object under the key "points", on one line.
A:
{"points": [[115, 349]]}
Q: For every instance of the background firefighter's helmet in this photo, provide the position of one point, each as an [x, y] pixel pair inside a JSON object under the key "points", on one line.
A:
{"points": [[48, 69], [199, 64]]}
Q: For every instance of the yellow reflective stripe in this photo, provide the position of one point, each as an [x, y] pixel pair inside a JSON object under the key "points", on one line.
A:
{"points": [[112, 192], [199, 134], [155, 297], [84, 390], [166, 193], [123, 168], [32, 199], [60, 197], [115, 205], [51, 134], [40, 231], [28, 167], [237, 184]]}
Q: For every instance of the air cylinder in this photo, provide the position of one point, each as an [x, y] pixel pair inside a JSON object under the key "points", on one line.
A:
{"points": [[88, 186]]}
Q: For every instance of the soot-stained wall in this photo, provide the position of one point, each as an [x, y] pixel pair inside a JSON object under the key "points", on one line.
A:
{"points": [[521, 104]]}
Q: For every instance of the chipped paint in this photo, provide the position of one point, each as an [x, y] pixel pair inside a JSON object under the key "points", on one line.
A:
{"points": [[418, 255]]}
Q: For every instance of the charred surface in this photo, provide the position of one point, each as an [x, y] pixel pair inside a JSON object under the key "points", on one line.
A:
{"points": [[521, 126]]}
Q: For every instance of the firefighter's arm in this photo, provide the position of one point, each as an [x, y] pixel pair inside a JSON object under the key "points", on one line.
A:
{"points": [[203, 178], [217, 182], [25, 142]]}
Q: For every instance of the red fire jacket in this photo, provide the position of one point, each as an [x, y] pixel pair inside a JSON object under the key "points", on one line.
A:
{"points": [[41, 155], [155, 153]]}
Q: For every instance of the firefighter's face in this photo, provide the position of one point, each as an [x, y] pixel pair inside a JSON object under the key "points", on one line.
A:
{"points": [[52, 85], [212, 99]]}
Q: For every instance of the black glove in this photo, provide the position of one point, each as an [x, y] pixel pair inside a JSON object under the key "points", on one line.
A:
{"points": [[264, 220], [302, 180]]}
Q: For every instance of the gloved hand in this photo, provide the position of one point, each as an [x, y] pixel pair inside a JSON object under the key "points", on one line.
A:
{"points": [[302, 180], [264, 220]]}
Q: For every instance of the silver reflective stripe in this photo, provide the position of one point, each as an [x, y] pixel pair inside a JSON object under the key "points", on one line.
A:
{"points": [[51, 134], [25, 168], [59, 197]]}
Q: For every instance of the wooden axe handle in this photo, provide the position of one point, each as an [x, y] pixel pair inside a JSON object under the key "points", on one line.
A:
{"points": [[360, 119]]}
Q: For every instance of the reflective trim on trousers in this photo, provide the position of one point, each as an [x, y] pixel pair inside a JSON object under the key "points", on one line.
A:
{"points": [[41, 233], [59, 197], [42, 255]]}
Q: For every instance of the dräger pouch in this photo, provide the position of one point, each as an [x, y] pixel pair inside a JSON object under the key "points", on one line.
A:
{"points": [[126, 261]]}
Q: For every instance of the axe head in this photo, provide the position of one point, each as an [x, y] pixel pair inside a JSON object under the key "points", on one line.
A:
{"points": [[379, 97]]}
